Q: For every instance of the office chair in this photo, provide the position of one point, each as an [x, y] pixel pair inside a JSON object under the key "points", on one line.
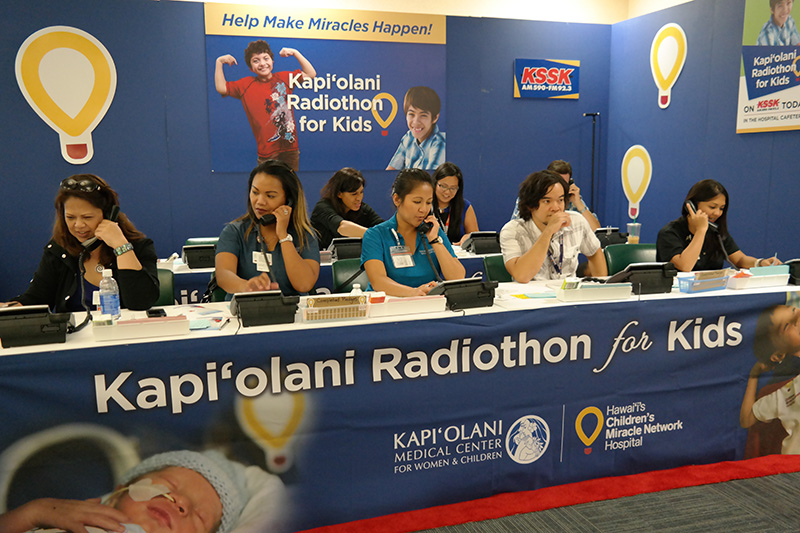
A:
{"points": [[343, 269], [495, 268], [619, 256], [191, 241], [166, 291]]}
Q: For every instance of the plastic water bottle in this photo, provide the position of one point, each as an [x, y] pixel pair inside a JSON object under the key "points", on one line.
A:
{"points": [[356, 289], [109, 295]]}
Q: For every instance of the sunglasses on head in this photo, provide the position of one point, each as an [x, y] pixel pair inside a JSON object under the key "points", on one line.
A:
{"points": [[84, 185]]}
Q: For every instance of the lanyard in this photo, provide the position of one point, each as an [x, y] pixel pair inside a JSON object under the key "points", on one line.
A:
{"points": [[557, 267], [445, 223], [396, 237]]}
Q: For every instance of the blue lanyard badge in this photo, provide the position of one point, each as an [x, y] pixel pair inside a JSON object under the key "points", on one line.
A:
{"points": [[401, 255], [557, 266]]}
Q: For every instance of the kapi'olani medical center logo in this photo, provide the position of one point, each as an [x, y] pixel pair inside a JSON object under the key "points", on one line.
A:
{"points": [[619, 428], [527, 440]]}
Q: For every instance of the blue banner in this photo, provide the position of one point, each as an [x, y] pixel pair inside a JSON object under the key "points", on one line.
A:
{"points": [[348, 112], [429, 411]]}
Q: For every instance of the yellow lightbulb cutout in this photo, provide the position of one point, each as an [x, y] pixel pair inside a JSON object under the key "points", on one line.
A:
{"points": [[384, 123], [69, 79], [272, 421], [667, 56], [637, 169], [589, 439]]}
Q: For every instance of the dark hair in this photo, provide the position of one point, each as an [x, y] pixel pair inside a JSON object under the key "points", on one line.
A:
{"points": [[407, 179], [104, 198], [292, 189], [702, 191], [423, 98], [773, 3], [344, 180], [559, 166], [534, 188], [763, 344], [256, 47], [446, 170]]}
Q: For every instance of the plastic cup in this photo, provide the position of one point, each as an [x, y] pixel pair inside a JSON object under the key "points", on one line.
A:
{"points": [[634, 230]]}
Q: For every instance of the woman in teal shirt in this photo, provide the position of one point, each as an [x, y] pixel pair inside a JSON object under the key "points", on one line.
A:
{"points": [[393, 253]]}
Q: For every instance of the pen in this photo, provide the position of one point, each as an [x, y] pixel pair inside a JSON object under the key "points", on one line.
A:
{"points": [[225, 323]]}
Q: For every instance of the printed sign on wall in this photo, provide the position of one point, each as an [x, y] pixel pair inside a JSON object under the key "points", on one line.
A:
{"points": [[329, 88], [546, 78], [769, 82]]}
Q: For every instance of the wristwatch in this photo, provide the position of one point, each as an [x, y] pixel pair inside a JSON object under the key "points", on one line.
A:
{"points": [[288, 238], [119, 250], [438, 239]]}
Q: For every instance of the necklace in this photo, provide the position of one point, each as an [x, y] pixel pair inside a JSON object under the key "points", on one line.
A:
{"points": [[99, 268]]}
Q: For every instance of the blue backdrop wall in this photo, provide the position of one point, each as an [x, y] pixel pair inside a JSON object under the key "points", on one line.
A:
{"points": [[694, 138], [153, 145]]}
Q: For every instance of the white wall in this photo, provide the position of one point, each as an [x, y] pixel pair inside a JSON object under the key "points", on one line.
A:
{"points": [[586, 11]]}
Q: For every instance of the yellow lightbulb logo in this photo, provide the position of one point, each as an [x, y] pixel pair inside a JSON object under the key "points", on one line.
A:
{"points": [[589, 439], [69, 79], [272, 422], [637, 169], [384, 123], [667, 56]]}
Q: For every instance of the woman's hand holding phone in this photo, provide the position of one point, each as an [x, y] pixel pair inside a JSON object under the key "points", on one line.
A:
{"points": [[110, 233], [283, 215], [434, 231], [698, 220]]}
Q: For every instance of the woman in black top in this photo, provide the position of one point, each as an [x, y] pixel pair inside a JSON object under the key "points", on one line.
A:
{"points": [[694, 241], [83, 205], [341, 212]]}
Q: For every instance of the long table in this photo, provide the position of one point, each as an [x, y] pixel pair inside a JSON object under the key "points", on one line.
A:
{"points": [[190, 284], [381, 415]]}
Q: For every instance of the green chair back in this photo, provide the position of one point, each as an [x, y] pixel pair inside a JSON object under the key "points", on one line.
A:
{"points": [[200, 240], [495, 268], [166, 291], [619, 256], [343, 269], [218, 294]]}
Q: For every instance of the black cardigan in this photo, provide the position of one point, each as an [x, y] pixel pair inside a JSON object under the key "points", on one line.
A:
{"points": [[56, 279]]}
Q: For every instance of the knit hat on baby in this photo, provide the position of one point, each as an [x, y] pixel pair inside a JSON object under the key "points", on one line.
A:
{"points": [[226, 476]]}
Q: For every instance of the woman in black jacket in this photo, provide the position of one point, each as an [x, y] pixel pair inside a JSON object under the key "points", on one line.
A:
{"points": [[87, 208]]}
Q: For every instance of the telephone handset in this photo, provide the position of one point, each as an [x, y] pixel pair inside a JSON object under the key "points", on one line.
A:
{"points": [[710, 224], [94, 242], [425, 227], [269, 218]]}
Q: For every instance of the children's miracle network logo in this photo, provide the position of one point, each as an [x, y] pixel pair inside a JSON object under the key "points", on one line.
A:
{"points": [[546, 78], [527, 439]]}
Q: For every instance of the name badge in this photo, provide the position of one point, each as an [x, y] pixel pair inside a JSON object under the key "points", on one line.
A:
{"points": [[401, 257], [261, 264]]}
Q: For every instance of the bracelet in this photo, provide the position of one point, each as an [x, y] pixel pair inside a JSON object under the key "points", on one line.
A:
{"points": [[119, 250], [758, 261], [435, 241], [582, 211]]}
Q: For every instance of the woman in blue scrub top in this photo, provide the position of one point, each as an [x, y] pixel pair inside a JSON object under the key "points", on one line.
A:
{"points": [[288, 241], [393, 253]]}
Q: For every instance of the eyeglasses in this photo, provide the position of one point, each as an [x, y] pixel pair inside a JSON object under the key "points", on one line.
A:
{"points": [[446, 188], [84, 185]]}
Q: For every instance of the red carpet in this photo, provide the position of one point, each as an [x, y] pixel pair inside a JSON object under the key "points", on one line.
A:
{"points": [[582, 492]]}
